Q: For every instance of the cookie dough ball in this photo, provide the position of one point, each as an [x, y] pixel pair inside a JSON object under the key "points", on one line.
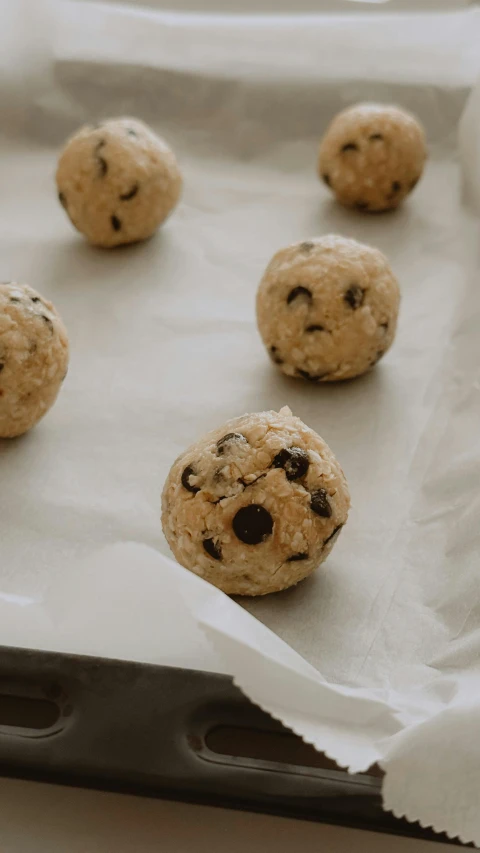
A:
{"points": [[255, 506], [33, 358], [117, 181], [372, 156], [327, 308]]}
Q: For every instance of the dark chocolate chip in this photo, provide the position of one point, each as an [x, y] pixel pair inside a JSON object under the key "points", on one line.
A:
{"points": [[187, 473], [274, 355], [116, 223], [320, 504], [102, 163], [131, 131], [332, 534], [48, 321], [229, 438], [315, 328], [326, 179], [35, 299], [374, 136], [2, 365], [396, 187], [307, 246], [294, 461], [349, 146], [310, 376], [384, 325], [252, 524], [299, 291], [103, 166], [130, 194], [213, 550], [295, 557], [15, 299], [361, 205], [354, 296], [62, 199]]}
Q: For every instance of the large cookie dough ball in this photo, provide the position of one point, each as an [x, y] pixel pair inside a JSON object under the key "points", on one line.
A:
{"points": [[327, 308], [372, 156], [33, 358], [117, 181], [256, 505]]}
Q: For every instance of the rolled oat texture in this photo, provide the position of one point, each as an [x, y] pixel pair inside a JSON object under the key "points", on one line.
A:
{"points": [[33, 358], [256, 505], [327, 308], [117, 181], [372, 156]]}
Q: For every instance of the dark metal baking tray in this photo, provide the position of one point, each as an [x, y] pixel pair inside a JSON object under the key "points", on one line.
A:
{"points": [[159, 731]]}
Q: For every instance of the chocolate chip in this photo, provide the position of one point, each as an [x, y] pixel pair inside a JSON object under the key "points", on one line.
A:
{"points": [[47, 321], [15, 299], [396, 187], [187, 473], [229, 438], [295, 557], [361, 205], [374, 136], [2, 365], [384, 325], [307, 246], [354, 296], [102, 163], [274, 355], [299, 291], [315, 328], [326, 179], [32, 347], [35, 299], [131, 131], [310, 376], [130, 194], [213, 550], [349, 146], [332, 534], [320, 504], [116, 223], [62, 199], [294, 461], [252, 524]]}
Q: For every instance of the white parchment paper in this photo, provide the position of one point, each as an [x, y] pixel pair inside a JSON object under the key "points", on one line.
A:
{"points": [[376, 657]]}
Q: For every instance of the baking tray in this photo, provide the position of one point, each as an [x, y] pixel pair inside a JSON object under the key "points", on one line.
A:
{"points": [[173, 733]]}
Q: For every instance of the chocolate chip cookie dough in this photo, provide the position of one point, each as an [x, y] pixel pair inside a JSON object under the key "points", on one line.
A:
{"points": [[33, 358], [256, 505], [327, 308], [117, 181], [372, 156]]}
